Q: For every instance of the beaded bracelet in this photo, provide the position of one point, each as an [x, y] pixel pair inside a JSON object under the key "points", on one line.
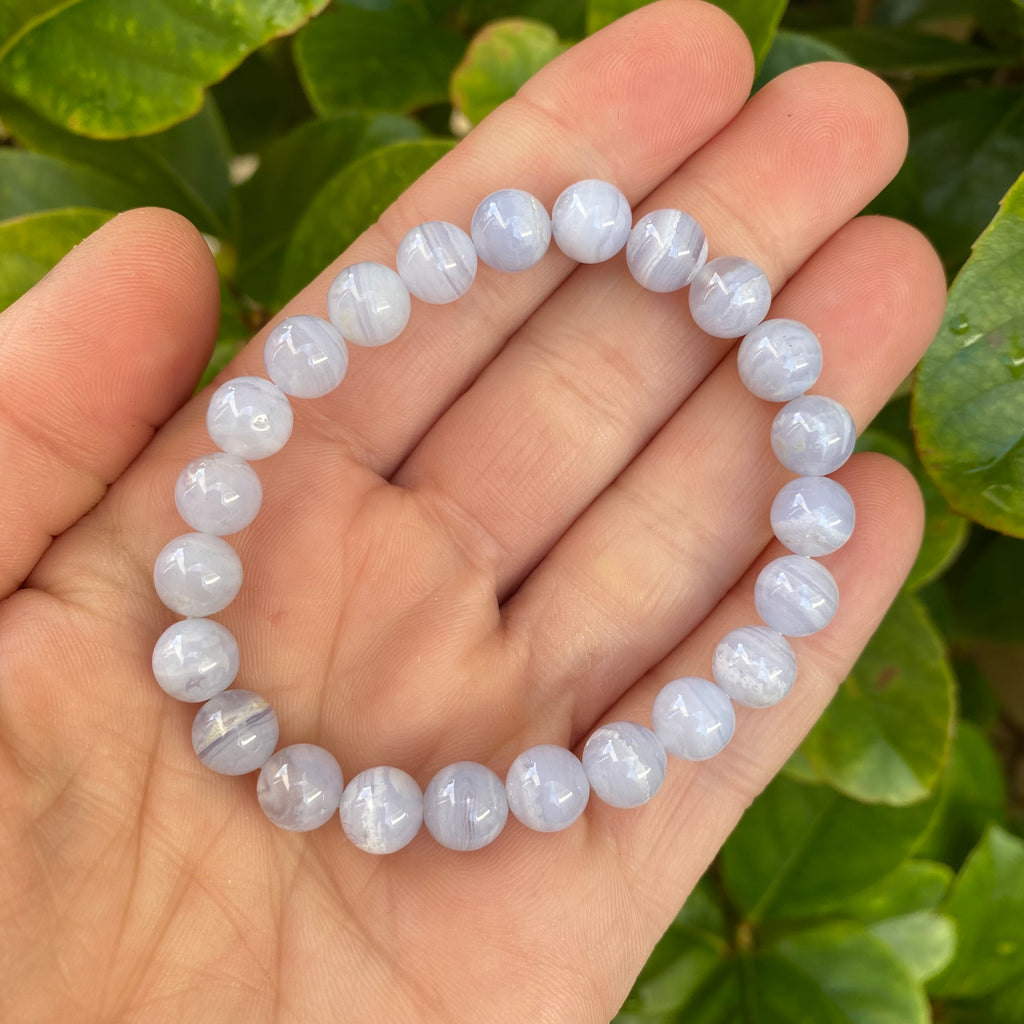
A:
{"points": [[465, 805]]}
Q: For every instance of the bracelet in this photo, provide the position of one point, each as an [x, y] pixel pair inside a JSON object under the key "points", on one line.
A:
{"points": [[465, 805]]}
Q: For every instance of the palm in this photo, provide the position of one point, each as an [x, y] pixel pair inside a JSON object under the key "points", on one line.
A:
{"points": [[425, 585]]}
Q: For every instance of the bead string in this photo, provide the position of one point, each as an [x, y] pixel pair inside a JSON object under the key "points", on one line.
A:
{"points": [[465, 805]]}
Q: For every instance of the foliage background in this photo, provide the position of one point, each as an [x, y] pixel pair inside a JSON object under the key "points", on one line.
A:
{"points": [[880, 878]]}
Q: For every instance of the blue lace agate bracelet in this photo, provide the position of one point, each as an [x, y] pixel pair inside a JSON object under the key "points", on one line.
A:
{"points": [[465, 805]]}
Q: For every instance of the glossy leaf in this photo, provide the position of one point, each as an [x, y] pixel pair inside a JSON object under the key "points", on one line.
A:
{"points": [[113, 68], [914, 885], [924, 941], [790, 50], [20, 16], [969, 395]]}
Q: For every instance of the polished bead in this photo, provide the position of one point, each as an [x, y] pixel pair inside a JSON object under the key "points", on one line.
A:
{"points": [[754, 665], [382, 810], [249, 417], [369, 304], [693, 718], [779, 360], [511, 230], [305, 356], [625, 764], [218, 494], [796, 595], [299, 787], [665, 249], [813, 435], [547, 788], [235, 732], [195, 659], [197, 574], [437, 261], [813, 515], [590, 221], [729, 296], [464, 806]]}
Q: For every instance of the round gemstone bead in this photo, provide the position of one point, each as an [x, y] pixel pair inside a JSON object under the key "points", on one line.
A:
{"points": [[729, 296], [796, 595], [511, 230], [249, 417], [547, 788], [693, 718], [382, 810], [813, 435], [779, 360], [665, 249], [813, 515], [195, 659], [235, 732], [369, 304], [197, 574], [625, 764], [755, 666], [218, 494], [437, 261], [590, 221], [305, 356], [299, 787], [464, 806]]}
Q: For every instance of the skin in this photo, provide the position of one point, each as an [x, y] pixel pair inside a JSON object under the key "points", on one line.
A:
{"points": [[518, 521]]}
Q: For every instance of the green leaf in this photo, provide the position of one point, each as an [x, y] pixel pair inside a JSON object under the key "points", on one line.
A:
{"points": [[1004, 1006], [30, 183], [969, 395], [349, 57], [924, 941], [884, 737], [31, 245], [987, 904], [349, 203], [20, 16], [500, 58], [790, 50], [114, 68], [914, 885], [290, 174], [988, 605]]}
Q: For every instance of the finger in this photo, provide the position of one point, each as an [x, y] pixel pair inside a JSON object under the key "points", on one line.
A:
{"points": [[575, 396], [93, 359]]}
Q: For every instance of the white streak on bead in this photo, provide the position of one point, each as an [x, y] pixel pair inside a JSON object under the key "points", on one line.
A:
{"points": [[665, 250], [235, 732], [218, 493], [197, 574], [195, 659], [369, 304], [305, 356], [795, 595], [693, 718], [465, 806], [729, 296], [813, 435], [299, 787], [437, 261], [625, 764], [249, 417], [779, 360], [547, 788], [511, 230], [755, 666], [813, 515], [590, 221], [382, 810]]}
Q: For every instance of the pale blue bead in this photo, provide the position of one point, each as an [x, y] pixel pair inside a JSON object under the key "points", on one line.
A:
{"points": [[369, 304], [625, 764], [305, 356], [754, 665], [590, 221], [693, 718], [729, 296], [795, 595], [779, 360], [299, 787], [218, 493], [813, 515], [249, 417], [197, 574], [465, 806], [195, 659], [235, 732], [665, 250], [547, 788], [437, 261], [382, 810], [511, 230], [813, 435]]}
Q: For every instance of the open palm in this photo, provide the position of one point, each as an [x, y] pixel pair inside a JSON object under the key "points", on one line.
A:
{"points": [[520, 519]]}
